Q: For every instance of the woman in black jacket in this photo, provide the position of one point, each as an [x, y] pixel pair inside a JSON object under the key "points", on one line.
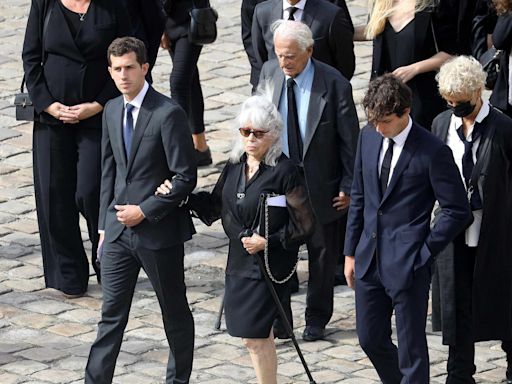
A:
{"points": [[257, 167], [68, 92], [184, 79]]}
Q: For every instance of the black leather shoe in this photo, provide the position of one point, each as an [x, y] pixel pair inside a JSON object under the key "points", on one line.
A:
{"points": [[279, 330], [313, 333], [509, 376], [203, 157]]}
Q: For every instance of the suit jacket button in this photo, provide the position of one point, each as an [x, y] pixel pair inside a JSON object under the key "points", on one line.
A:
{"points": [[128, 181], [380, 213], [374, 235]]}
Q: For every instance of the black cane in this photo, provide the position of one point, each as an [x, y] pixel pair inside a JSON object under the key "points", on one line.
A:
{"points": [[219, 315], [286, 323]]}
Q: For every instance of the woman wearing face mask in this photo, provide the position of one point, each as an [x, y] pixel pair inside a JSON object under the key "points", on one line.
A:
{"points": [[472, 286]]}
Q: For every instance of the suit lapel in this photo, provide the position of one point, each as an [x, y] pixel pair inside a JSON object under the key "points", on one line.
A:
{"points": [[308, 15], [278, 83], [141, 125], [116, 132], [373, 160], [277, 11], [411, 143], [316, 107]]}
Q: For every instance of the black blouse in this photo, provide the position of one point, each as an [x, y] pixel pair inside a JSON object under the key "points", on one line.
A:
{"points": [[237, 202]]}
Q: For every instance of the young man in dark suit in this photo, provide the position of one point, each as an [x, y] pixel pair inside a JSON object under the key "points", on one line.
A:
{"points": [[321, 122], [400, 170], [330, 24], [145, 140]]}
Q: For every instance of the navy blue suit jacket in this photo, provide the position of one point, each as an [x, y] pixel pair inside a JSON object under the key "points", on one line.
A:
{"points": [[396, 226]]}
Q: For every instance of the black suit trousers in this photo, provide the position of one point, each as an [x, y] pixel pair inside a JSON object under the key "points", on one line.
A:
{"points": [[120, 265], [67, 171], [374, 307], [324, 248]]}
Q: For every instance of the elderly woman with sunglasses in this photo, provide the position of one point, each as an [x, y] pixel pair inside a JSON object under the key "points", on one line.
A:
{"points": [[255, 168]]}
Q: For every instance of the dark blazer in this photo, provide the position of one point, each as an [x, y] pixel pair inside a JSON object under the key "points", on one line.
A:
{"points": [[396, 226], [502, 39], [331, 135], [75, 70], [246, 14], [331, 27], [492, 277], [161, 149], [148, 21]]}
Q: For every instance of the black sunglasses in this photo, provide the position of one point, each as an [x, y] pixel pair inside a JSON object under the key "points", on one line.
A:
{"points": [[246, 132]]}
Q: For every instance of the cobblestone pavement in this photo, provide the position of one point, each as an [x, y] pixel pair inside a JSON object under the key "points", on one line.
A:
{"points": [[45, 338]]}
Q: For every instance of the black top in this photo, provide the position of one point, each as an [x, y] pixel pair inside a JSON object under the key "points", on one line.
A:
{"points": [[237, 201], [73, 19], [398, 46]]}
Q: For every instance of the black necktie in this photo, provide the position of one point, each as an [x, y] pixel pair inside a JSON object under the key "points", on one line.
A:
{"points": [[386, 167], [128, 130], [294, 138], [468, 164], [291, 12]]}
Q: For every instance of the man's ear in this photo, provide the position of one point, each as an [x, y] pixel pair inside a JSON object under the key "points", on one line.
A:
{"points": [[145, 68]]}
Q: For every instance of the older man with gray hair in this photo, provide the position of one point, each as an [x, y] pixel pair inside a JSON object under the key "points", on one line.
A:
{"points": [[321, 123]]}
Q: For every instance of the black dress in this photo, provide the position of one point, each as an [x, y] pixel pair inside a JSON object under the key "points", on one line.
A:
{"points": [[249, 307]]}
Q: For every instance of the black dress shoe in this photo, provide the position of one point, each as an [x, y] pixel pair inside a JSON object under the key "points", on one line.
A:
{"points": [[203, 157], [279, 330], [509, 376], [313, 333]]}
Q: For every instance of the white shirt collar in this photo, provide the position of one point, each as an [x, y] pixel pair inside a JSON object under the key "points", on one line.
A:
{"points": [[402, 136], [137, 100], [300, 5]]}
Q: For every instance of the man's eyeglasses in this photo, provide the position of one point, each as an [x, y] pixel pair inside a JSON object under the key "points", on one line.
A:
{"points": [[246, 132]]}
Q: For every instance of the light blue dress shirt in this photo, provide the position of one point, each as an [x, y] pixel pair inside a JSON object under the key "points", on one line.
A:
{"points": [[302, 89]]}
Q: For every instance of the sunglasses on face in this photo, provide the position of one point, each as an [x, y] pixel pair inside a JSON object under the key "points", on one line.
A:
{"points": [[246, 132]]}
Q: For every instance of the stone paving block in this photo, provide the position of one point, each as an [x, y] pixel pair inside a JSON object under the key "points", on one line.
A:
{"points": [[42, 355], [231, 372], [84, 316], [15, 207], [21, 160], [9, 378], [25, 272], [69, 329], [33, 320], [57, 376], [133, 378], [24, 367], [48, 307]]}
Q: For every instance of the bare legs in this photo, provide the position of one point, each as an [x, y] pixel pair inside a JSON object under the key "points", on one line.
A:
{"points": [[264, 358]]}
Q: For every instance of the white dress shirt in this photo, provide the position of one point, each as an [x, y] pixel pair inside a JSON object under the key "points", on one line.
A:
{"points": [[298, 13], [457, 146], [397, 148], [137, 103]]}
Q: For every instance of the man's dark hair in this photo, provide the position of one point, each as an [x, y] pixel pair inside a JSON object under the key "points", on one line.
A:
{"points": [[123, 45], [386, 95]]}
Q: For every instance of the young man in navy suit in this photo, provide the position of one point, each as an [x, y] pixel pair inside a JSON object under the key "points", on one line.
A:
{"points": [[400, 170]]}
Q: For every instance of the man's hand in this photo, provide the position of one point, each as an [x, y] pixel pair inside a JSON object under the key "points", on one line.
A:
{"points": [[349, 270], [406, 73], [62, 112], [164, 188], [253, 244], [341, 201], [129, 215], [99, 251], [164, 42], [85, 110]]}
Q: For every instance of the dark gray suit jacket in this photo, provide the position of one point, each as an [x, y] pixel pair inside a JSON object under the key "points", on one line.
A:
{"points": [[331, 135], [331, 26], [161, 149]]}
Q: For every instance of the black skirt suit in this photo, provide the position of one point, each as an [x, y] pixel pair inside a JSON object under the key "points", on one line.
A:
{"points": [[67, 156], [424, 36], [249, 307]]}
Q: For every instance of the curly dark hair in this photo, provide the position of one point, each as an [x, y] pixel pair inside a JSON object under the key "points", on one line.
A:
{"points": [[386, 95], [502, 6], [123, 45]]}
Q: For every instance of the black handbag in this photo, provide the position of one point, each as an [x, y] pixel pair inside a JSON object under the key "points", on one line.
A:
{"points": [[490, 61], [203, 25], [22, 102]]}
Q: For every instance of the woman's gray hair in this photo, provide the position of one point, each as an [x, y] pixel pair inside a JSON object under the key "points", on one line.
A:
{"points": [[294, 30], [259, 112], [461, 76]]}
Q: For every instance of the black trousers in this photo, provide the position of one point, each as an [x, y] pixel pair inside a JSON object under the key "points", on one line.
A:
{"points": [[184, 80], [324, 248], [461, 356], [67, 173], [409, 363], [120, 265]]}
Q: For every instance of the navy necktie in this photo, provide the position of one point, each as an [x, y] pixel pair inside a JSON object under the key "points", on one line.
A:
{"points": [[385, 169], [294, 138], [468, 163], [291, 12], [128, 130]]}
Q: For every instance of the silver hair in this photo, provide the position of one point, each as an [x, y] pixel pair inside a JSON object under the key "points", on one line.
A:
{"points": [[261, 113], [295, 30], [461, 76]]}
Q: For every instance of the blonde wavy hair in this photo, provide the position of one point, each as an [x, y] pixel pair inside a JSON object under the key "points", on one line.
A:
{"points": [[461, 76], [381, 10]]}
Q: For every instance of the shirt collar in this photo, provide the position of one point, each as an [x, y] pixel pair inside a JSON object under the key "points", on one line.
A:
{"points": [[402, 136], [301, 78], [300, 5], [137, 100]]}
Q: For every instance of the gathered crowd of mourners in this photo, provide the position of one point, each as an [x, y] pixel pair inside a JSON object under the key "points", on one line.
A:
{"points": [[413, 205]]}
